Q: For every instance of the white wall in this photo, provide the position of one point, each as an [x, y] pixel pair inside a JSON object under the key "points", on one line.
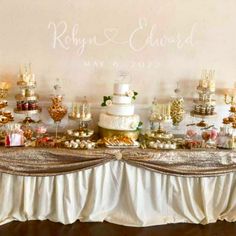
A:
{"points": [[127, 36]]}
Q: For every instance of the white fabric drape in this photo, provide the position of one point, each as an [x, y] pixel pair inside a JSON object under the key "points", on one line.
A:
{"points": [[119, 193]]}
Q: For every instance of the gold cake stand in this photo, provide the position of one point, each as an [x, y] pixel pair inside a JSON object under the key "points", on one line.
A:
{"points": [[108, 133]]}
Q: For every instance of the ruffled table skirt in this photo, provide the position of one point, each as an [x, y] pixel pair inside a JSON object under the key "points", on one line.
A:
{"points": [[119, 193]]}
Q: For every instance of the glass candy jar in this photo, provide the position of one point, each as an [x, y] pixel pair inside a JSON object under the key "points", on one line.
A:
{"points": [[177, 108]]}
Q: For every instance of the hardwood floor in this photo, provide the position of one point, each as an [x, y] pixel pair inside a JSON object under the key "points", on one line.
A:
{"points": [[47, 228]]}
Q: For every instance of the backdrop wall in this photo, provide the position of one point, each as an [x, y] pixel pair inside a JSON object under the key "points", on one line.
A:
{"points": [[85, 43]]}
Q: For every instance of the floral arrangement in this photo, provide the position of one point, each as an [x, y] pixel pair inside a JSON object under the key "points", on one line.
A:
{"points": [[140, 124], [132, 94], [106, 101], [136, 125]]}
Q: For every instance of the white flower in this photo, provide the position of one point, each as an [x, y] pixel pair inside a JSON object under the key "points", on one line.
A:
{"points": [[108, 103], [130, 93], [134, 125]]}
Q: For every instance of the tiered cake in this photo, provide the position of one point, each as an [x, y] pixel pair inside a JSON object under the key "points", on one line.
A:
{"points": [[119, 113]]}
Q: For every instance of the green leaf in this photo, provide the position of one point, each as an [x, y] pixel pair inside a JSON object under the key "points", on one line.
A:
{"points": [[135, 93], [140, 125], [105, 98]]}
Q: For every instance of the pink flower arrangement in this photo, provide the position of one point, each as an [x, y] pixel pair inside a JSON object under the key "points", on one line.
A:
{"points": [[41, 130]]}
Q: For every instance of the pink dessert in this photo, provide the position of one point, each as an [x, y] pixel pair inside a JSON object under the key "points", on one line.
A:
{"points": [[191, 133], [41, 130]]}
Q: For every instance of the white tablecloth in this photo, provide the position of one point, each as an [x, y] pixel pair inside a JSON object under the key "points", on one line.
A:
{"points": [[119, 193]]}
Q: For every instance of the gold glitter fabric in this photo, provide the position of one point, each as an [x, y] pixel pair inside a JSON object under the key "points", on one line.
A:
{"points": [[57, 161]]}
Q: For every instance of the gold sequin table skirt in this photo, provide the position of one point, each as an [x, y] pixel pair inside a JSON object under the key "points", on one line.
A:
{"points": [[47, 162], [131, 187]]}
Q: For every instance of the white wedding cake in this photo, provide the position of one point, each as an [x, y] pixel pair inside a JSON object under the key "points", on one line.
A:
{"points": [[119, 114]]}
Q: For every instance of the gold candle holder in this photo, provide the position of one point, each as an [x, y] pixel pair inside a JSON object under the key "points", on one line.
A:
{"points": [[230, 99], [4, 87]]}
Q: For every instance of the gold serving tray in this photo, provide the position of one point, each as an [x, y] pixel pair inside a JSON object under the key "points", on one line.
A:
{"points": [[81, 136], [108, 133], [193, 114], [23, 84], [20, 97], [122, 146], [212, 102]]}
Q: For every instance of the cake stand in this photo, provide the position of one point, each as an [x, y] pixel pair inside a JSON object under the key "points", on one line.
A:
{"points": [[109, 133]]}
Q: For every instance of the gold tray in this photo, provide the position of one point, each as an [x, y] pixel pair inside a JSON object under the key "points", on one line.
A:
{"points": [[108, 133], [23, 84], [20, 97], [193, 114], [81, 136]]}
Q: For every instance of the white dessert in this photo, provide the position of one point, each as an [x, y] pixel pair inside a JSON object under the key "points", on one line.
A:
{"points": [[121, 89], [118, 122], [120, 114], [225, 138], [121, 110], [121, 99], [225, 141]]}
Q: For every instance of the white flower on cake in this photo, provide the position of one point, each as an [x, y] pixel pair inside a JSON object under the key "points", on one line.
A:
{"points": [[108, 103], [134, 125], [130, 93]]}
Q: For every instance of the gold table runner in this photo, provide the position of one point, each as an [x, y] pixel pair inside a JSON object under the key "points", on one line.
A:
{"points": [[57, 161]]}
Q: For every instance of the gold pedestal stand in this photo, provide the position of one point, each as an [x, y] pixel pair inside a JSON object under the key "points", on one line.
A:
{"points": [[109, 133], [81, 113], [160, 113], [82, 131]]}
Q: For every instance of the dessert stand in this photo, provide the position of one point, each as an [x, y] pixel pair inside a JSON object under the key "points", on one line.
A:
{"points": [[81, 113], [6, 116], [204, 135], [27, 99], [204, 105], [227, 135], [160, 114], [158, 137]]}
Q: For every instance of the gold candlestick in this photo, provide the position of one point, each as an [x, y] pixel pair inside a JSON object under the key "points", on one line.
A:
{"points": [[229, 99]]}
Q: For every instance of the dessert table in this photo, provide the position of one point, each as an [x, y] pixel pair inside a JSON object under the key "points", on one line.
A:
{"points": [[131, 187]]}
